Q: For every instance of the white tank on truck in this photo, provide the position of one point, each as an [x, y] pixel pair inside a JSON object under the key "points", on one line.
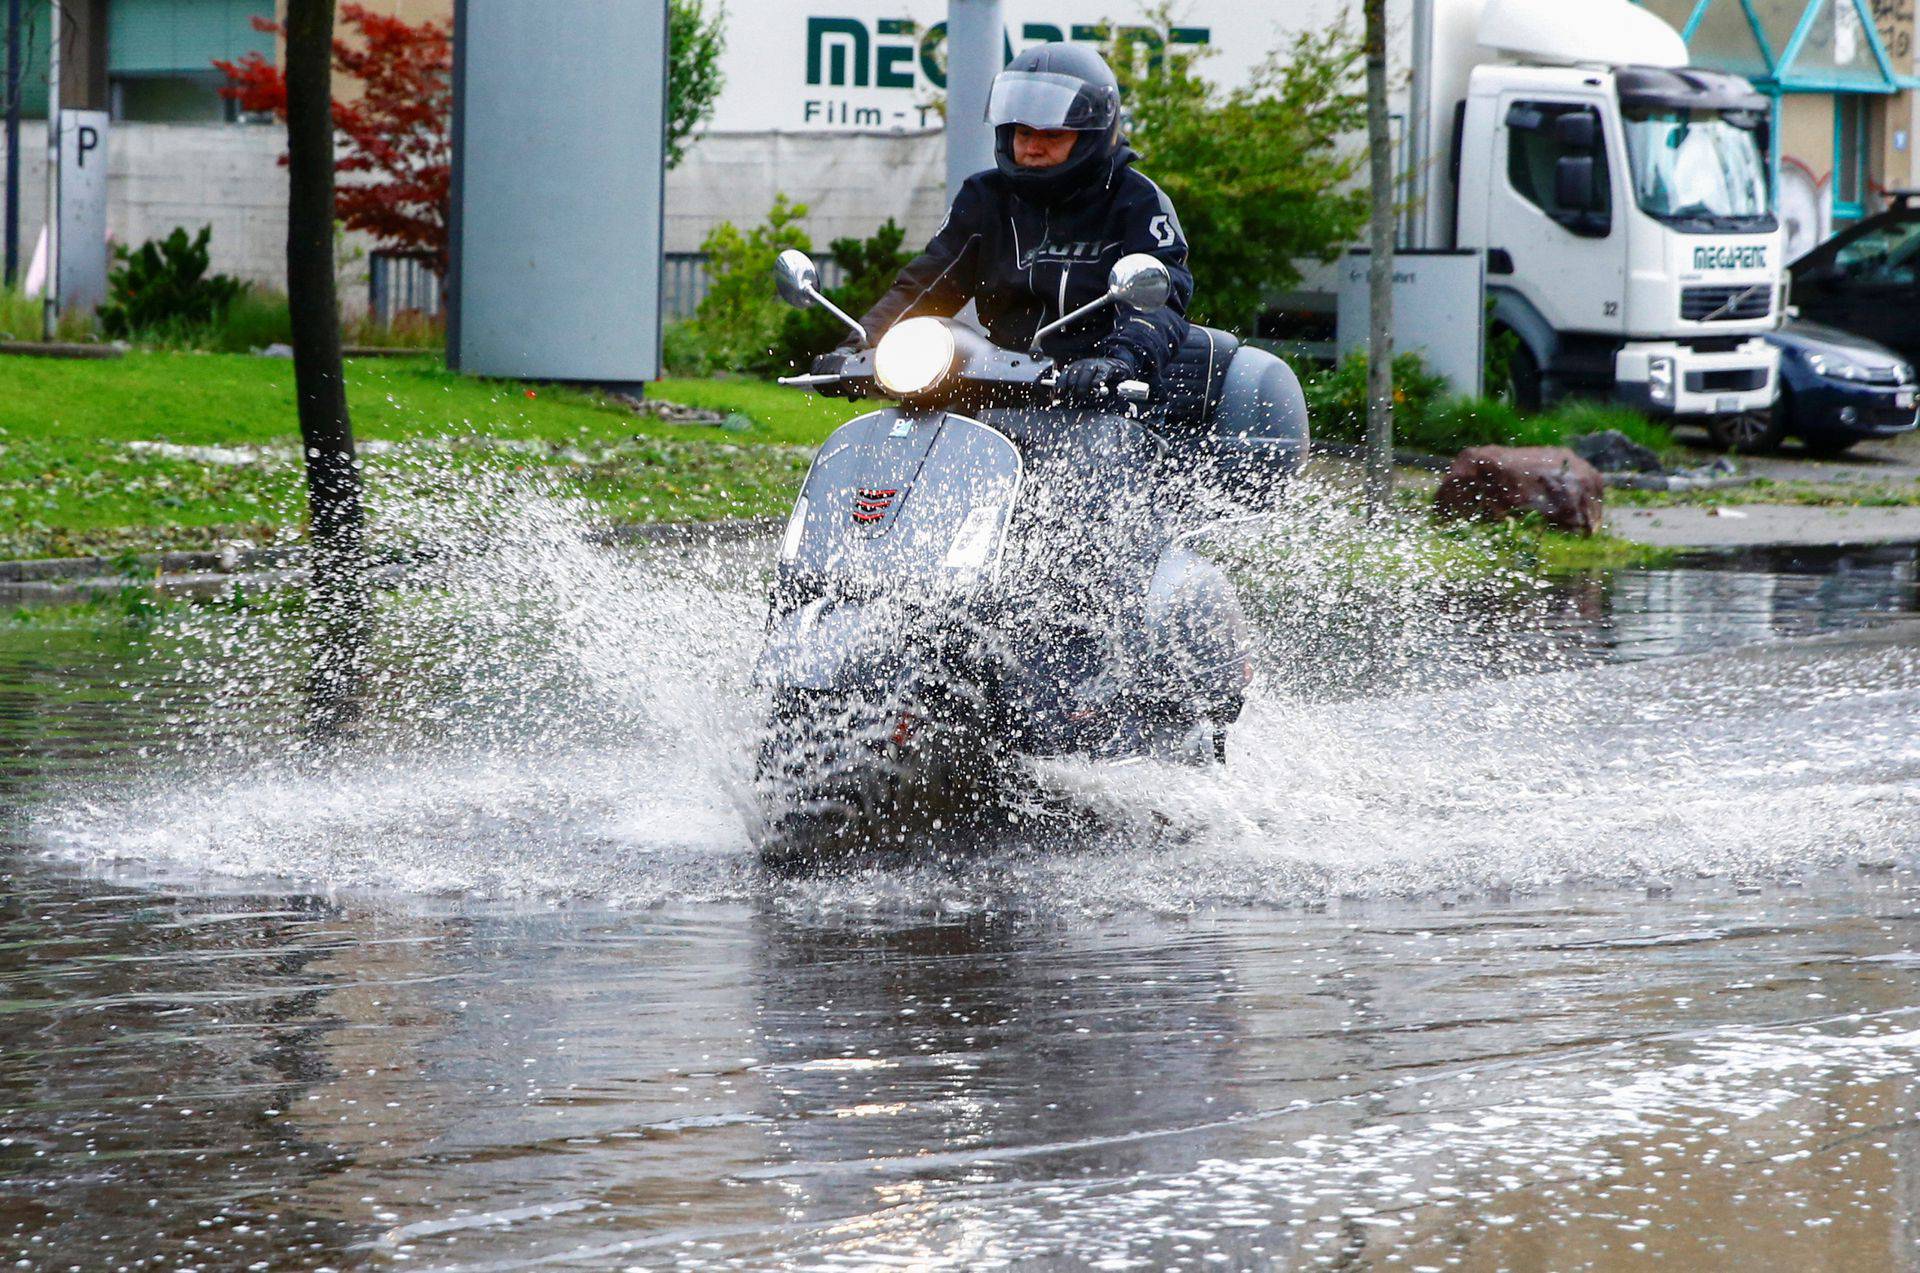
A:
{"points": [[1623, 200]]}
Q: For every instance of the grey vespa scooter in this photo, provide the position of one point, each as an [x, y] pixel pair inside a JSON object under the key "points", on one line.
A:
{"points": [[983, 573]]}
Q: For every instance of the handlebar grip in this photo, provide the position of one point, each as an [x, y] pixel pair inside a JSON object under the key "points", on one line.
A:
{"points": [[1134, 390]]}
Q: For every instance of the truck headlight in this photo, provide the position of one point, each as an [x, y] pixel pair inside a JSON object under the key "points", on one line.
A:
{"points": [[1660, 381], [914, 356]]}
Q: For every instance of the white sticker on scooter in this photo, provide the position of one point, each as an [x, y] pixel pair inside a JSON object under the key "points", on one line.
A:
{"points": [[974, 544], [901, 428]]}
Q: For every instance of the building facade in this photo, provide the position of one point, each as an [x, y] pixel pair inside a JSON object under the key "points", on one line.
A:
{"points": [[836, 104]]}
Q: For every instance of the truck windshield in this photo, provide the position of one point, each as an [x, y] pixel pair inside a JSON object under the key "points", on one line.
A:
{"points": [[1699, 169]]}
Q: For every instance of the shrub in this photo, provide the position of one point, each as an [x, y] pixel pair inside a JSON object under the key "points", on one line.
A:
{"points": [[868, 267], [20, 319], [162, 289], [1337, 397], [1427, 418], [253, 321], [410, 329], [740, 318]]}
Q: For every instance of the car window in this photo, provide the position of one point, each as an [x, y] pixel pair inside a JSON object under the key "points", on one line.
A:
{"points": [[1885, 254]]}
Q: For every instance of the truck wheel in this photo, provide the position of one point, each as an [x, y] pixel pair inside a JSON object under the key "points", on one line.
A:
{"points": [[1749, 433], [1523, 381]]}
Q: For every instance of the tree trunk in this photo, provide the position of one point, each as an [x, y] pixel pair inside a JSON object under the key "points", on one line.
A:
{"points": [[1379, 268], [338, 593]]}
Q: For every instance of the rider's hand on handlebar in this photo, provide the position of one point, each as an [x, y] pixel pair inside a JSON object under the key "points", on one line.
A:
{"points": [[832, 362], [1094, 377]]}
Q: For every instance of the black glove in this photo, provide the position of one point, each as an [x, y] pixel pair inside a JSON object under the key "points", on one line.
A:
{"points": [[1093, 377], [831, 363]]}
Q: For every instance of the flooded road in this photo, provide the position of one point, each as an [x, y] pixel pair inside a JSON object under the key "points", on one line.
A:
{"points": [[1607, 962]]}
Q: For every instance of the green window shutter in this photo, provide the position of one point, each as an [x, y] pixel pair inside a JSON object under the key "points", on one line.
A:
{"points": [[33, 68], [161, 37]]}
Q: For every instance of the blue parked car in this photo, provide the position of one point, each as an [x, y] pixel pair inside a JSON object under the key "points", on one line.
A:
{"points": [[1836, 389]]}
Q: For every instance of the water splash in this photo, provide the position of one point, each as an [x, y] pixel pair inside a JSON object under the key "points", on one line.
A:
{"points": [[554, 717]]}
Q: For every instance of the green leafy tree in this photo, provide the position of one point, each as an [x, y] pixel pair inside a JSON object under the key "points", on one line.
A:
{"points": [[868, 268], [1262, 174], [696, 39]]}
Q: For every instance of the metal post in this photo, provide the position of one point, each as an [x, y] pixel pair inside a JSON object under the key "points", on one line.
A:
{"points": [[50, 305], [1420, 125], [976, 42], [1379, 471], [11, 87]]}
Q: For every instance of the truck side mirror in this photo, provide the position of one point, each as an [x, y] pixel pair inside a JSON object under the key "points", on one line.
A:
{"points": [[1577, 130], [1573, 184]]}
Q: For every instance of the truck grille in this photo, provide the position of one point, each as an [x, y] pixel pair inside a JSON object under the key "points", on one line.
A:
{"points": [[1726, 304]]}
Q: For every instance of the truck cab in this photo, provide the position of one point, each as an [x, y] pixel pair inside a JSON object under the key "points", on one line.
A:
{"points": [[1627, 218]]}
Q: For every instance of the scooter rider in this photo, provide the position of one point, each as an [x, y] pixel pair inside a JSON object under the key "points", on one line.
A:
{"points": [[1034, 237]]}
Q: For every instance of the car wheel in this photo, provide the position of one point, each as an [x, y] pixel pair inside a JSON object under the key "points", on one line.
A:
{"points": [[1749, 433], [1828, 448]]}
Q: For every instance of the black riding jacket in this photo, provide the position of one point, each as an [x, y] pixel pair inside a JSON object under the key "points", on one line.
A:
{"points": [[1025, 263]]}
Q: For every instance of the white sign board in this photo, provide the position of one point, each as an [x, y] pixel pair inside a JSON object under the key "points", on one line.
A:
{"points": [[83, 209], [1439, 311], [880, 65]]}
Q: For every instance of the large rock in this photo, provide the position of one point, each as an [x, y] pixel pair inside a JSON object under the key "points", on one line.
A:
{"points": [[1492, 483], [1612, 451]]}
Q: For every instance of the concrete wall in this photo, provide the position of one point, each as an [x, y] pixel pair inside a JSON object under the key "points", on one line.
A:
{"points": [[164, 175], [228, 176], [850, 184]]}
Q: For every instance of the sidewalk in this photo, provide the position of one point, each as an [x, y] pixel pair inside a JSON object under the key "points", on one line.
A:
{"points": [[1751, 525]]}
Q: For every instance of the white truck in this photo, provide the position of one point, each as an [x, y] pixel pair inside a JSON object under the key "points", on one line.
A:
{"points": [[1622, 198]]}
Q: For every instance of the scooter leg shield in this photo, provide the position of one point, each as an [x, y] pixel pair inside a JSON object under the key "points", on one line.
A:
{"points": [[1196, 630], [826, 646]]}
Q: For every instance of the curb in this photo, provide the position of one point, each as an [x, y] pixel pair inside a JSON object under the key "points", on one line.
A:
{"points": [[59, 349], [59, 580], [1619, 481]]}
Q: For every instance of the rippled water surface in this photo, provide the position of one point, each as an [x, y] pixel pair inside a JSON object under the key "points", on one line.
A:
{"points": [[1568, 941]]}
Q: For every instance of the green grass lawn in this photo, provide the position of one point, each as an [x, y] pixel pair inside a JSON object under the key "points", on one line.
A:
{"points": [[70, 483]]}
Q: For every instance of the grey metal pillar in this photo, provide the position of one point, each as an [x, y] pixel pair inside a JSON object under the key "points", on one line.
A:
{"points": [[11, 87], [976, 44], [1420, 156], [50, 308], [558, 139]]}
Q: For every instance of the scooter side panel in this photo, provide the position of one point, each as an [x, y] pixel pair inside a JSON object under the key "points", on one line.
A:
{"points": [[1260, 434]]}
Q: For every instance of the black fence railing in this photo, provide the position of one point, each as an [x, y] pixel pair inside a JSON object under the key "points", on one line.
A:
{"points": [[684, 281], [399, 281]]}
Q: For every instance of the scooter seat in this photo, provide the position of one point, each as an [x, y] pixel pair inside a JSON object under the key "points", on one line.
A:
{"points": [[1194, 382]]}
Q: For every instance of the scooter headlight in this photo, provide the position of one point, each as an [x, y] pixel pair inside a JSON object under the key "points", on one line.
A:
{"points": [[914, 356]]}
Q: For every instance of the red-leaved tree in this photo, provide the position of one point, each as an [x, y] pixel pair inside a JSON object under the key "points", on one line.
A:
{"points": [[398, 138]]}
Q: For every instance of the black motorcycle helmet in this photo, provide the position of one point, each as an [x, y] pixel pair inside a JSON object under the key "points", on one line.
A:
{"points": [[1055, 86]]}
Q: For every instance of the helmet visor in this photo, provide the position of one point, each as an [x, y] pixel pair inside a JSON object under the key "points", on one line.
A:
{"points": [[1045, 99]]}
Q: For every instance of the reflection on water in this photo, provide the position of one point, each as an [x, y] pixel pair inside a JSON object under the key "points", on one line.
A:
{"points": [[1755, 595], [1579, 970]]}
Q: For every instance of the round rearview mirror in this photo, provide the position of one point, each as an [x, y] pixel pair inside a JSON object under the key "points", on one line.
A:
{"points": [[1141, 281], [795, 277]]}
